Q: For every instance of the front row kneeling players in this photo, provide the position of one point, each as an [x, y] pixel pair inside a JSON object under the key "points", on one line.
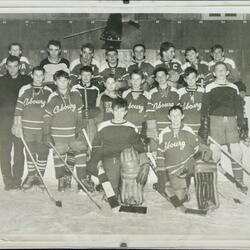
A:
{"points": [[177, 147], [63, 129]]}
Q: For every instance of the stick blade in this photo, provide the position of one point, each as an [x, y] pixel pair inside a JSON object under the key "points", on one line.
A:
{"points": [[58, 203], [133, 209], [195, 211]]}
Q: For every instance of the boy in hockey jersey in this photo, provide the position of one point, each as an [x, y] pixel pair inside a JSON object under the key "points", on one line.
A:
{"points": [[161, 99], [28, 122], [191, 99], [112, 138], [54, 62], [89, 94], [140, 64], [218, 55], [15, 49], [176, 148], [63, 128], [105, 99], [137, 100], [222, 109], [192, 60], [167, 54]]}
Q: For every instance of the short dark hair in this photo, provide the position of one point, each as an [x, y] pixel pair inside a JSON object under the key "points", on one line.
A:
{"points": [[15, 44], [13, 59], [86, 69], [89, 46], [220, 63], [139, 45], [137, 72], [55, 43], [165, 46], [175, 107], [159, 69], [111, 49], [190, 70], [105, 78], [216, 46], [120, 103], [191, 48], [59, 74], [38, 68]]}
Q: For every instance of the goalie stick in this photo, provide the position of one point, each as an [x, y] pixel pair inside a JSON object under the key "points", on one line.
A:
{"points": [[174, 200]]}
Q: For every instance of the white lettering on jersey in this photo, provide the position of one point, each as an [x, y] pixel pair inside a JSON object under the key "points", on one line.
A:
{"points": [[30, 101], [138, 107], [108, 107], [189, 106], [162, 105], [180, 144], [71, 107]]}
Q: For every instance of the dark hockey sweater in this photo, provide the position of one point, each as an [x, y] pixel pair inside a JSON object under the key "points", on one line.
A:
{"points": [[222, 100], [31, 106]]}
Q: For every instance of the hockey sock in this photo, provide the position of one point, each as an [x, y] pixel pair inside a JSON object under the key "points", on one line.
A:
{"points": [[71, 161], [80, 163], [59, 166], [31, 167], [237, 171], [41, 166]]}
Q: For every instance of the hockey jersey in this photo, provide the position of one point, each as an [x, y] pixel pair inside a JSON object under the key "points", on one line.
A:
{"points": [[159, 103], [62, 114], [222, 100], [137, 105], [25, 68], [175, 150], [31, 107], [145, 68], [119, 71], [89, 96], [51, 68], [104, 102], [191, 101], [171, 65]]}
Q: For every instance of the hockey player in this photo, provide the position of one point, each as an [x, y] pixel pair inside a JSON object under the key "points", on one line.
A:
{"points": [[28, 122], [15, 49], [112, 138], [167, 54], [54, 62], [105, 99], [137, 100], [192, 60], [191, 99], [177, 146], [114, 66], [222, 109], [63, 129], [218, 55], [10, 85], [140, 64], [89, 94], [161, 99]]}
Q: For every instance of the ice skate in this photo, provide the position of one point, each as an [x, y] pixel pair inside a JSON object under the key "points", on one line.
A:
{"points": [[242, 187], [61, 184], [29, 183], [88, 184]]}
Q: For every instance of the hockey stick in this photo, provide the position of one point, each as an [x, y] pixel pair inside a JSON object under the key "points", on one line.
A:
{"points": [[74, 176], [57, 203], [228, 154], [173, 199]]}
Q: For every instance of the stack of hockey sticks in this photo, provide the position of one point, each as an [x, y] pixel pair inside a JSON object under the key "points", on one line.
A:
{"points": [[174, 200], [109, 192]]}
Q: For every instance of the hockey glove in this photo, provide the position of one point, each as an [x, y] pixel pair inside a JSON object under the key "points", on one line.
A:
{"points": [[204, 128], [206, 152], [243, 128], [143, 174]]}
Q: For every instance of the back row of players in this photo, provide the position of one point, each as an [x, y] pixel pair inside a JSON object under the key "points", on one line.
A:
{"points": [[85, 98]]}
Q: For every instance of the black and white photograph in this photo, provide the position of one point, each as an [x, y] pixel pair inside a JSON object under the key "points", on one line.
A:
{"points": [[125, 124]]}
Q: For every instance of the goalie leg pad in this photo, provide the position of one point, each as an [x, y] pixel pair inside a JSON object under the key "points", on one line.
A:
{"points": [[206, 185]]}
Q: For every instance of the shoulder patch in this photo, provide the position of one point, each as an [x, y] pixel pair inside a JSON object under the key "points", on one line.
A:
{"points": [[23, 89]]}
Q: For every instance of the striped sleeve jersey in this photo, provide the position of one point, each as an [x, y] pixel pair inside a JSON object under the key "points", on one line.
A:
{"points": [[191, 101], [137, 105], [31, 107], [62, 114], [159, 104], [175, 150]]}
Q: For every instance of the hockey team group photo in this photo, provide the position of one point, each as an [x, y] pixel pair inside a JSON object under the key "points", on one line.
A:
{"points": [[124, 126]]}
